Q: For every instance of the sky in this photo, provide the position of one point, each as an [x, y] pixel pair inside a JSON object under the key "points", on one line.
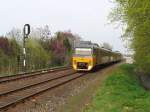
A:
{"points": [[87, 18]]}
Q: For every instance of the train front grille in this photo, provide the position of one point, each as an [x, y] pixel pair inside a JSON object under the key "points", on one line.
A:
{"points": [[82, 65]]}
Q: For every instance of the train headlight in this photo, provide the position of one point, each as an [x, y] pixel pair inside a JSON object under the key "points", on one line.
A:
{"points": [[89, 67]]}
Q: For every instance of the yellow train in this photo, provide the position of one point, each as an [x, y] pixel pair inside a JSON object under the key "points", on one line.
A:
{"points": [[87, 55]]}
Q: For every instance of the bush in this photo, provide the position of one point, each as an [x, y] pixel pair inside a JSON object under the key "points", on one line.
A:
{"points": [[37, 57]]}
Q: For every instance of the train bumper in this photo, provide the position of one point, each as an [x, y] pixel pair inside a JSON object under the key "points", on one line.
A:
{"points": [[83, 63]]}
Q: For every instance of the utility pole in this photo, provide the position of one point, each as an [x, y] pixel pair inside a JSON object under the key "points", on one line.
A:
{"points": [[26, 32]]}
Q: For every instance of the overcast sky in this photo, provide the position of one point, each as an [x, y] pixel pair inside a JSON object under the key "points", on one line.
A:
{"points": [[88, 18]]}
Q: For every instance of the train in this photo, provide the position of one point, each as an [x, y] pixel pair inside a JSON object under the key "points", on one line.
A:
{"points": [[88, 55]]}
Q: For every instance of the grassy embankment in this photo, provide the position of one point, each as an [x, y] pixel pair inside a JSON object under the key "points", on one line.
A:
{"points": [[121, 92]]}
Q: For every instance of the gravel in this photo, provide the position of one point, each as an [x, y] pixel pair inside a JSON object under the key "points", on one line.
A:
{"points": [[54, 100]]}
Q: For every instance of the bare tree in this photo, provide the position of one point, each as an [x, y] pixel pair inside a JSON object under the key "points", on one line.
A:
{"points": [[43, 33], [16, 34]]}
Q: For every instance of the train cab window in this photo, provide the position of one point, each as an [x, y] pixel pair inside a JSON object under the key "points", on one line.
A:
{"points": [[83, 51]]}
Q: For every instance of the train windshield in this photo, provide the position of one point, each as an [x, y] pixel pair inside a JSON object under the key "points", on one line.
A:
{"points": [[83, 51]]}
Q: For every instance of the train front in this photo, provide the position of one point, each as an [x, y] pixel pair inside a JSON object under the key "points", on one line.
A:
{"points": [[83, 59]]}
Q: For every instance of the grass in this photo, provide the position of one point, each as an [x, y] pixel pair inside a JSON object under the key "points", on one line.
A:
{"points": [[121, 92]]}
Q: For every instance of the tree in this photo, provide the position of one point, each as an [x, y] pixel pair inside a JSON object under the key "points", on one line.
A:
{"points": [[135, 15], [16, 34], [61, 47], [42, 49], [37, 57], [42, 33], [4, 45]]}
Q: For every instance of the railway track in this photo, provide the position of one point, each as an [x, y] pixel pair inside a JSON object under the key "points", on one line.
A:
{"points": [[31, 74], [22, 93]]}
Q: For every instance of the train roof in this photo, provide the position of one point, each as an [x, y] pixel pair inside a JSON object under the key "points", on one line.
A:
{"points": [[89, 44], [86, 44]]}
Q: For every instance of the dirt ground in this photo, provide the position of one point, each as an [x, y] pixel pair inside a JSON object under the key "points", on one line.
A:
{"points": [[71, 97]]}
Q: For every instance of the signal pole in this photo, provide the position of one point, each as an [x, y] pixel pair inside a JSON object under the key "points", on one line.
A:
{"points": [[26, 32]]}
